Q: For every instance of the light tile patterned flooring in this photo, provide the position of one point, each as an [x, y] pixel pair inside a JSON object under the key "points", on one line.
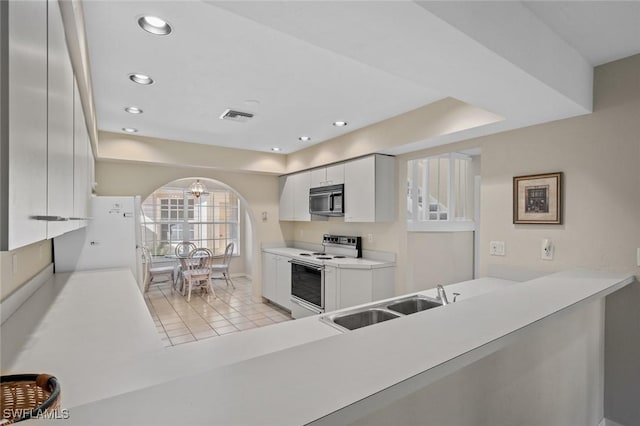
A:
{"points": [[205, 317]]}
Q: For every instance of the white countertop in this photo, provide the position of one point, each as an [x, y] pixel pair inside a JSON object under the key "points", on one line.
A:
{"points": [[304, 383], [95, 324], [350, 263]]}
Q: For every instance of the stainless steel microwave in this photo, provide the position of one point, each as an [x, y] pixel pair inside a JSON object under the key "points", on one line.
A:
{"points": [[327, 200]]}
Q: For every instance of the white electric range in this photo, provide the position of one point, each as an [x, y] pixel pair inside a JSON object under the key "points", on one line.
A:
{"points": [[307, 272]]}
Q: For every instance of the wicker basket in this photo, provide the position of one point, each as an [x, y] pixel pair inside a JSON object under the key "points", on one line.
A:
{"points": [[27, 395]]}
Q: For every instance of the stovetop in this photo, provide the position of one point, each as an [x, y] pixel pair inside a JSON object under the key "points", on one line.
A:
{"points": [[334, 247], [322, 256]]}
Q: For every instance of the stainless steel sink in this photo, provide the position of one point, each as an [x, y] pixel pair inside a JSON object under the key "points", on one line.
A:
{"points": [[413, 304], [379, 312], [363, 318]]}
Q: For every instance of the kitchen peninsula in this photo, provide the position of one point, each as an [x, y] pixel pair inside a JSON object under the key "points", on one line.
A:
{"points": [[288, 374]]}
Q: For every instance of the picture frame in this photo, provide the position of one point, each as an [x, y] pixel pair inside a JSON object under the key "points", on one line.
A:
{"points": [[537, 199]]}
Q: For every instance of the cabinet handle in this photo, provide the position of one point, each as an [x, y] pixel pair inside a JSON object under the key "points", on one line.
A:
{"points": [[58, 218], [50, 218]]}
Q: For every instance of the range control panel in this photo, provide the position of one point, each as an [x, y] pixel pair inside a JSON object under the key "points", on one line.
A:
{"points": [[354, 243]]}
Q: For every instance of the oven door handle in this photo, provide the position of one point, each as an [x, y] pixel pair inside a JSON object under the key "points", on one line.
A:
{"points": [[306, 305], [307, 265]]}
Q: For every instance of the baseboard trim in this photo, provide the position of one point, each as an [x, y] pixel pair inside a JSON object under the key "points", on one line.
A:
{"points": [[18, 297]]}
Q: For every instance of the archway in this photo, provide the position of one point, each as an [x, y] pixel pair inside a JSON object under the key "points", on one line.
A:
{"points": [[172, 214]]}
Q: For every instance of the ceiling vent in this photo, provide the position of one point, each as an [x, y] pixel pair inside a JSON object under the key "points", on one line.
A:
{"points": [[239, 116]]}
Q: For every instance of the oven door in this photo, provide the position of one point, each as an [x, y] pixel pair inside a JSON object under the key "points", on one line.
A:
{"points": [[307, 285]]}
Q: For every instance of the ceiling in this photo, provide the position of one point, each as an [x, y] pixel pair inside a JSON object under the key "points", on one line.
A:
{"points": [[299, 66]]}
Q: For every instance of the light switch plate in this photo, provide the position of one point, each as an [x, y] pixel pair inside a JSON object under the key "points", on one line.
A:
{"points": [[496, 248]]}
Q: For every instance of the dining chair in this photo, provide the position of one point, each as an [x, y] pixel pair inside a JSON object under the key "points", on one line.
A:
{"points": [[196, 268], [224, 266], [152, 271], [184, 248]]}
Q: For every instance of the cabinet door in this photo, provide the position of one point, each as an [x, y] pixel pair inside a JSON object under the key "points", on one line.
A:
{"points": [[80, 163], [60, 127], [301, 185], [359, 190], [286, 198], [335, 174], [318, 177], [355, 287], [330, 288], [27, 120], [284, 282], [269, 276]]}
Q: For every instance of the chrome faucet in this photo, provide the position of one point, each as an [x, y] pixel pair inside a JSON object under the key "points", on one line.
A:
{"points": [[442, 295]]}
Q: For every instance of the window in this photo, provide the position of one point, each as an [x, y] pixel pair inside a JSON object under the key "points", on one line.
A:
{"points": [[172, 215], [439, 196]]}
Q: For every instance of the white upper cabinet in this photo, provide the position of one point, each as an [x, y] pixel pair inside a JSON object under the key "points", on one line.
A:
{"points": [[369, 189], [49, 163], [286, 198], [27, 121], [60, 127], [325, 176], [294, 197], [81, 163], [301, 185], [335, 174]]}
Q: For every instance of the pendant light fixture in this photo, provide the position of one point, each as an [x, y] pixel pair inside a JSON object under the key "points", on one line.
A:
{"points": [[197, 189]]}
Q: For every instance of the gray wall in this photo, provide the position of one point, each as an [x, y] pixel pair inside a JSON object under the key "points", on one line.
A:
{"points": [[552, 375]]}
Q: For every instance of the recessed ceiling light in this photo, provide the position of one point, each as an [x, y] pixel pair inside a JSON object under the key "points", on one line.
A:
{"points": [[133, 110], [154, 25], [339, 123], [275, 149], [141, 78], [304, 138], [129, 130]]}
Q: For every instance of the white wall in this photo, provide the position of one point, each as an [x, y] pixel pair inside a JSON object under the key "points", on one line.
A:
{"points": [[259, 191]]}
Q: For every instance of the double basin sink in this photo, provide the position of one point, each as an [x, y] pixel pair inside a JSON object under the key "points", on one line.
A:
{"points": [[380, 312]]}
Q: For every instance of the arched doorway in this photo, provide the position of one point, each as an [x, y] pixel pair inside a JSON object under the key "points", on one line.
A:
{"points": [[172, 214]]}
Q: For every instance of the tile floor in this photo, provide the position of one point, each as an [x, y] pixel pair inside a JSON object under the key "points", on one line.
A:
{"points": [[204, 317]]}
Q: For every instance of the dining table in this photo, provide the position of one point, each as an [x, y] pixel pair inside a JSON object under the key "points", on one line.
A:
{"points": [[178, 267]]}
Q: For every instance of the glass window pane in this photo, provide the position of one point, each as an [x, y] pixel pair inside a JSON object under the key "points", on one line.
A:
{"points": [[213, 219]]}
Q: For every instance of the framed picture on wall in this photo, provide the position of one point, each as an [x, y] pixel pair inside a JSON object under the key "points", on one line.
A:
{"points": [[537, 199]]}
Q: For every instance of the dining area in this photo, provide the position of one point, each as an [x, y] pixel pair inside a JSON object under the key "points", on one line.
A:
{"points": [[191, 296], [188, 268]]}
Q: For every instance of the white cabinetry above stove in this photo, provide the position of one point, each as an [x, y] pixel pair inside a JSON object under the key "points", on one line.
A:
{"points": [[369, 189], [325, 176], [294, 197]]}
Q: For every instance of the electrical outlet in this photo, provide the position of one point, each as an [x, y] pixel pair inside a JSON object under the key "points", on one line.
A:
{"points": [[14, 264], [496, 248], [546, 250], [301, 232], [370, 238], [638, 256]]}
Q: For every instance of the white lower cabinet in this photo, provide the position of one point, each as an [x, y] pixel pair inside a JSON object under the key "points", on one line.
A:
{"points": [[346, 287], [330, 288], [276, 279]]}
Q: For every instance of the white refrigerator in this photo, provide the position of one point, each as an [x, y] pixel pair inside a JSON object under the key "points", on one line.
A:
{"points": [[110, 240]]}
